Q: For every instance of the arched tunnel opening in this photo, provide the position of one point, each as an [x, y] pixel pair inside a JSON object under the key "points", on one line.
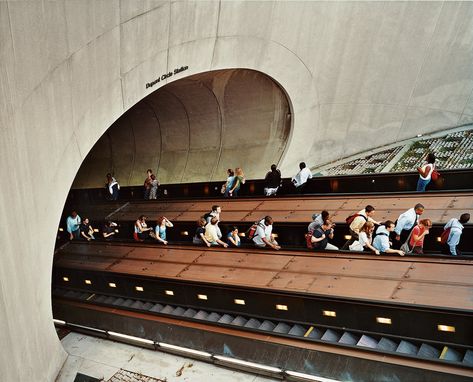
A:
{"points": [[193, 129]]}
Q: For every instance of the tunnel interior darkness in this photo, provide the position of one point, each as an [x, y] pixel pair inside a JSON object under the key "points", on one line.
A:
{"points": [[193, 129]]}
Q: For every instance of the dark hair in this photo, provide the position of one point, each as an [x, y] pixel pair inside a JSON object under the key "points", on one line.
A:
{"points": [[325, 214], [233, 228], [230, 172], [142, 217], [369, 208], [430, 158], [153, 176], [214, 207], [273, 167], [327, 222], [213, 221], [149, 170], [302, 165], [201, 222], [418, 206], [268, 220], [464, 218], [388, 223], [109, 175]]}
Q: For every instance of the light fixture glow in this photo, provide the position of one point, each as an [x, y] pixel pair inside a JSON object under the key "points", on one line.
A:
{"points": [[439, 239], [184, 350], [281, 307], [96, 230], [446, 328], [309, 377], [169, 292], [248, 364], [242, 234], [112, 285], [116, 230], [185, 233], [383, 320], [88, 282], [329, 313], [239, 301], [65, 278], [202, 297], [347, 237], [131, 338], [139, 288], [61, 229]]}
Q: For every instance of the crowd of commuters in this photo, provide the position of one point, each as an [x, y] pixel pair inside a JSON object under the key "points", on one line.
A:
{"points": [[406, 234]]}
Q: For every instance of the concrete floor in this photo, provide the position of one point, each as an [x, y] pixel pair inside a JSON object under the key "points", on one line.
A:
{"points": [[104, 359]]}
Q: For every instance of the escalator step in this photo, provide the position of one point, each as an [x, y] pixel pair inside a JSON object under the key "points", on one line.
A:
{"points": [[71, 294], [267, 325], [168, 309], [406, 347], [100, 298], [128, 302], [282, 327], [137, 305], [239, 321], [348, 339], [119, 301], [297, 330], [178, 311], [331, 336], [449, 354], [190, 312], [147, 305], [110, 300], [252, 323], [468, 358], [225, 319], [367, 342], [202, 315], [156, 308], [213, 317], [85, 296], [428, 351], [386, 344], [315, 334]]}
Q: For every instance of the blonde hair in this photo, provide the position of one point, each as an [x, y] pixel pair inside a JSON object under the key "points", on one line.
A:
{"points": [[239, 171], [367, 227]]}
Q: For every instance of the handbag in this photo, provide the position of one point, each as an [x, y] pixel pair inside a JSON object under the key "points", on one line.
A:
{"points": [[356, 246], [435, 175], [405, 247], [224, 188]]}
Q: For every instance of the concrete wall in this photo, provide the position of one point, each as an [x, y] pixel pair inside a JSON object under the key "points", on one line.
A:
{"points": [[356, 74]]}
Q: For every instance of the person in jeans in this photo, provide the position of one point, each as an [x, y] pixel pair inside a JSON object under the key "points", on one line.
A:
{"points": [[425, 172], [321, 235], [456, 229], [73, 223]]}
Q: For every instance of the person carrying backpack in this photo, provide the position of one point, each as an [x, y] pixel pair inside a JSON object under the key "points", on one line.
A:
{"points": [[451, 235], [320, 236], [357, 221]]}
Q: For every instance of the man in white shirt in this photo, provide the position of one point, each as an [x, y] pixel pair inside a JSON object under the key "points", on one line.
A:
{"points": [[264, 234], [406, 221], [300, 179]]}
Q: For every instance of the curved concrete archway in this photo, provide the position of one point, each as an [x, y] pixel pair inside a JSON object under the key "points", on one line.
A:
{"points": [[68, 70], [193, 129]]}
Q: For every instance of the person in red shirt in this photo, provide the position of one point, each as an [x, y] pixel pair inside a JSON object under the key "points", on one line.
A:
{"points": [[418, 233]]}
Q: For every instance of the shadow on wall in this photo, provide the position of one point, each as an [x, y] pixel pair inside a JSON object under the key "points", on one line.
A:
{"points": [[193, 129]]}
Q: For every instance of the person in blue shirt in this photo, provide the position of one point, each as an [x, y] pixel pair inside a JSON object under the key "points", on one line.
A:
{"points": [[73, 223], [233, 240], [160, 230], [456, 229], [381, 241]]}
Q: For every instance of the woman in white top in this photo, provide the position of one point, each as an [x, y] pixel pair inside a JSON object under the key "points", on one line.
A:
{"points": [[365, 238], [425, 172]]}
